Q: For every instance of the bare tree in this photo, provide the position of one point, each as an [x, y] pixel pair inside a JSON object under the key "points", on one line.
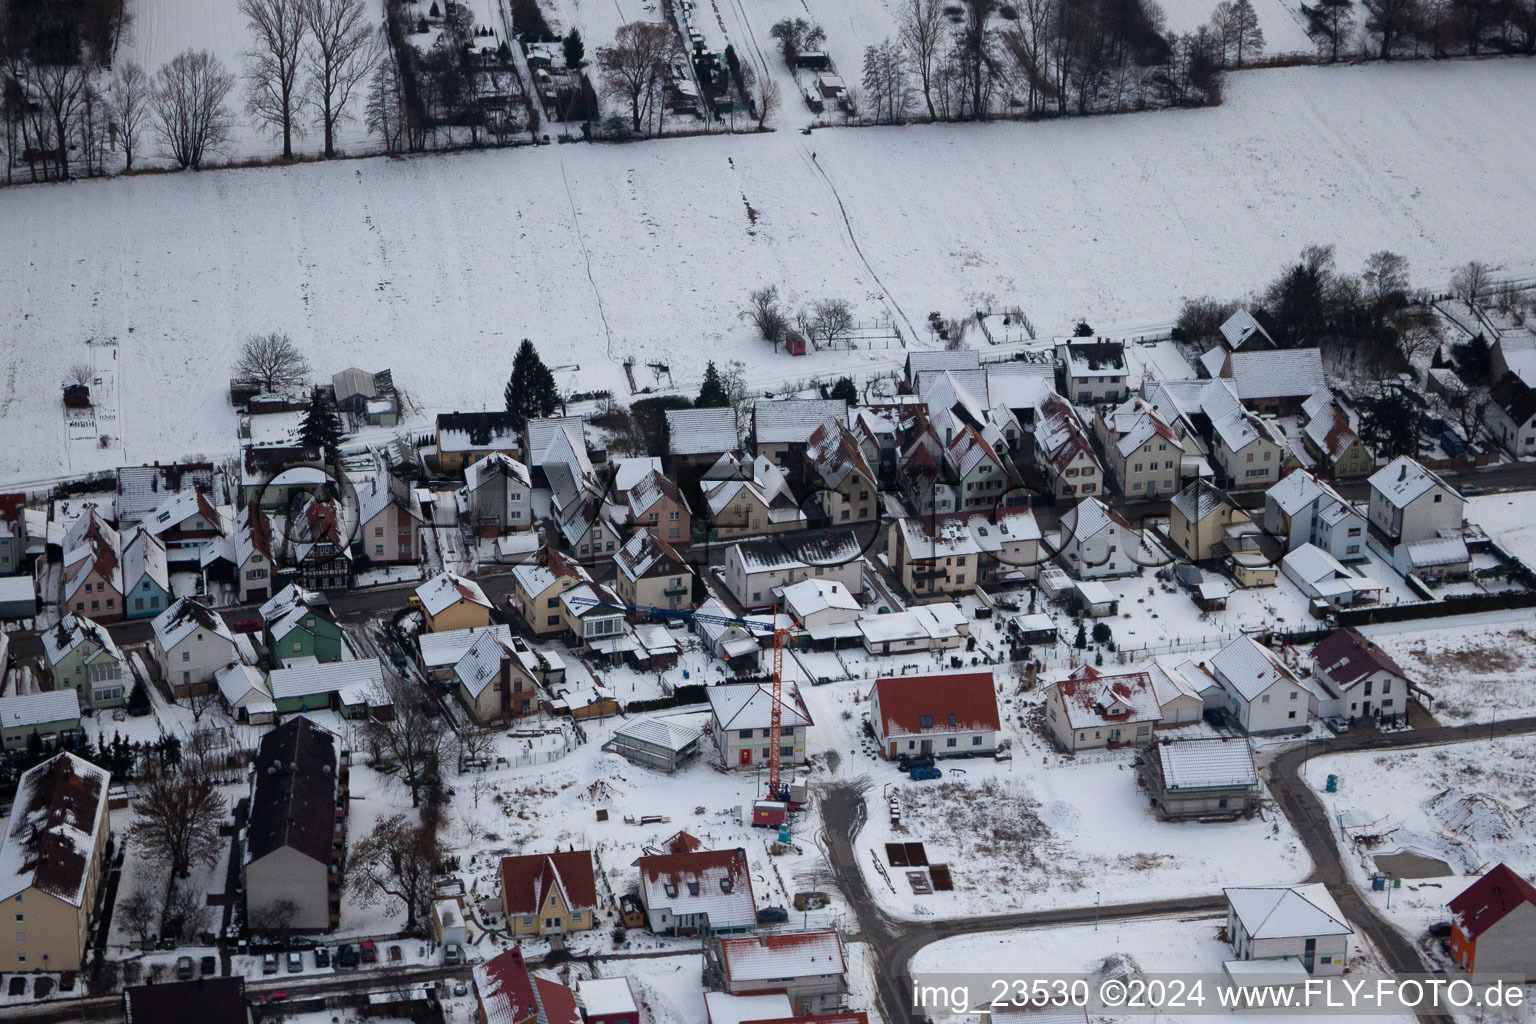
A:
{"points": [[342, 53], [765, 312], [634, 68], [1469, 404], [828, 320], [273, 361], [128, 107], [272, 64], [274, 918], [58, 90], [767, 99], [1385, 279], [476, 745], [179, 819], [1470, 281], [384, 113], [80, 373], [922, 33], [1391, 20], [411, 744], [190, 105], [186, 912], [139, 911], [976, 51], [1331, 24], [394, 865]]}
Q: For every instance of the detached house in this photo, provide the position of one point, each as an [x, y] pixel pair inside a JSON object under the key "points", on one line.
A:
{"points": [[51, 864], [741, 720], [1063, 451], [49, 715], [746, 499], [1300, 923], [1366, 680], [935, 557], [1274, 380], [1142, 451], [1328, 438], [656, 504], [536, 591], [389, 521], [1263, 695], [756, 570], [316, 544], [1097, 542], [296, 834], [808, 967], [941, 715], [242, 558], [499, 494], [511, 994], [845, 484], [549, 893], [1493, 925], [1510, 415], [192, 644], [1206, 525], [1410, 503], [652, 574], [1302, 509], [93, 572], [498, 678], [299, 624], [450, 601], [82, 656], [1087, 711], [1200, 778], [705, 892], [699, 437], [1094, 371], [464, 438]]}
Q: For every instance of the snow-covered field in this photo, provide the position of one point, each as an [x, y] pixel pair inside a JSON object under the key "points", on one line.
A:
{"points": [[437, 264], [1510, 520], [1477, 667]]}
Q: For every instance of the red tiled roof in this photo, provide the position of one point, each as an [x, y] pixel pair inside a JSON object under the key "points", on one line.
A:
{"points": [[506, 989], [967, 696], [1344, 656], [1486, 901], [557, 1003], [1085, 699], [527, 881]]}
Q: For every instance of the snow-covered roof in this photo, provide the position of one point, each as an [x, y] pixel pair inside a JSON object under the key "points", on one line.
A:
{"points": [[629, 472], [650, 489], [605, 997], [761, 478], [506, 989], [71, 632], [60, 809], [27, 709], [1094, 358], [238, 681], [1091, 700], [724, 1008], [716, 883], [1296, 490], [181, 506], [666, 733], [476, 432], [1199, 500], [1437, 551], [778, 957], [1312, 566], [184, 617], [354, 681], [835, 452], [750, 706], [920, 622], [1239, 328], [645, 554], [1088, 518], [1276, 373], [1403, 480], [1206, 763], [439, 650], [915, 705], [810, 596], [777, 553], [1293, 912], [480, 666], [143, 489], [1249, 667], [791, 420], [701, 431], [447, 589]]}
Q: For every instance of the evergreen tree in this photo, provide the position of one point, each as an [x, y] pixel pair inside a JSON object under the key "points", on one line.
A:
{"points": [[1389, 423], [846, 390], [531, 392], [575, 49], [1474, 363], [712, 395], [322, 425], [138, 703], [1081, 640]]}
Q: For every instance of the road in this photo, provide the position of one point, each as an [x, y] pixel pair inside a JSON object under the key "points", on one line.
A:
{"points": [[896, 942]]}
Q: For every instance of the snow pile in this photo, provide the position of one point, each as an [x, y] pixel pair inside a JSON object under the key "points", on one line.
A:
{"points": [[1479, 818]]}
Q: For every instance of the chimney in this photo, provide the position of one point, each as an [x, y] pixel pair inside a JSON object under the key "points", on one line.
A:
{"points": [[1402, 472]]}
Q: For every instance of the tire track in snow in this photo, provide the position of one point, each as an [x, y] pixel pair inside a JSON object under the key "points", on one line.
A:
{"points": [[892, 306], [586, 256]]}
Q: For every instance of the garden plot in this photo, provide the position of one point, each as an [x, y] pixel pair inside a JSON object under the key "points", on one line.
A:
{"points": [[1510, 520], [1020, 835], [1184, 945], [1477, 667], [1469, 805]]}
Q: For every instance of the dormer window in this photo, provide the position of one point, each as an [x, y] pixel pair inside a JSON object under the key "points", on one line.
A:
{"points": [[671, 889], [725, 885], [693, 888], [925, 721]]}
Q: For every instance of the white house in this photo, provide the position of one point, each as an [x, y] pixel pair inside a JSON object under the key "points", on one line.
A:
{"points": [[1367, 682], [499, 494], [824, 608], [1320, 576], [755, 569], [1094, 370], [246, 693], [741, 720], [1302, 509], [943, 715], [1263, 695], [192, 644], [1097, 542], [705, 890], [1298, 922], [1410, 503], [733, 643]]}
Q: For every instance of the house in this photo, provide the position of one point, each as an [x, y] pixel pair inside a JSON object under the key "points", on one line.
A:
{"points": [[353, 688], [651, 574], [13, 533], [699, 437], [146, 576], [438, 653], [1240, 332], [741, 721], [1301, 509], [242, 559], [1493, 925], [93, 572], [809, 967], [389, 521], [51, 864], [536, 590], [658, 743], [298, 624], [1097, 542], [510, 994], [1298, 922], [938, 626], [1510, 415], [18, 597], [1086, 710], [942, 715], [1410, 503], [1208, 777], [1142, 451], [184, 522], [315, 544], [50, 715], [296, 831], [464, 438], [1263, 695], [144, 490], [724, 638], [755, 570], [556, 449], [214, 1000], [449, 926], [549, 893], [590, 525], [607, 1001], [1434, 560], [1274, 381], [192, 644], [1093, 370], [782, 428], [1368, 681], [246, 694], [82, 656], [499, 495], [1063, 452], [1200, 519], [1331, 441], [704, 892], [656, 504], [594, 616], [823, 608], [449, 601], [498, 678], [841, 477], [938, 361], [746, 499], [1321, 577], [1243, 449], [935, 557]]}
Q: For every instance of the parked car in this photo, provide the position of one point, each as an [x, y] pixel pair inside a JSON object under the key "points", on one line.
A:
{"points": [[925, 773], [772, 915], [322, 957], [183, 968], [346, 956], [245, 626], [453, 954], [269, 963], [368, 952], [210, 965], [906, 762], [460, 988], [276, 997], [295, 962]]}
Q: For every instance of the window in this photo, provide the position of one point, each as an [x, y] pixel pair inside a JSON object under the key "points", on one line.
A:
{"points": [[1293, 695], [378, 549], [1352, 549], [1291, 715], [746, 734], [975, 741], [951, 742], [1264, 699], [693, 888], [298, 645], [671, 889], [1437, 499], [1386, 687], [186, 655], [925, 721], [786, 751], [725, 885]]}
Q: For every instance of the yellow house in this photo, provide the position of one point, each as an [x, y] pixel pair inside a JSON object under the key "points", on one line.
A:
{"points": [[549, 893], [52, 858], [536, 590], [449, 601], [1199, 520]]}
